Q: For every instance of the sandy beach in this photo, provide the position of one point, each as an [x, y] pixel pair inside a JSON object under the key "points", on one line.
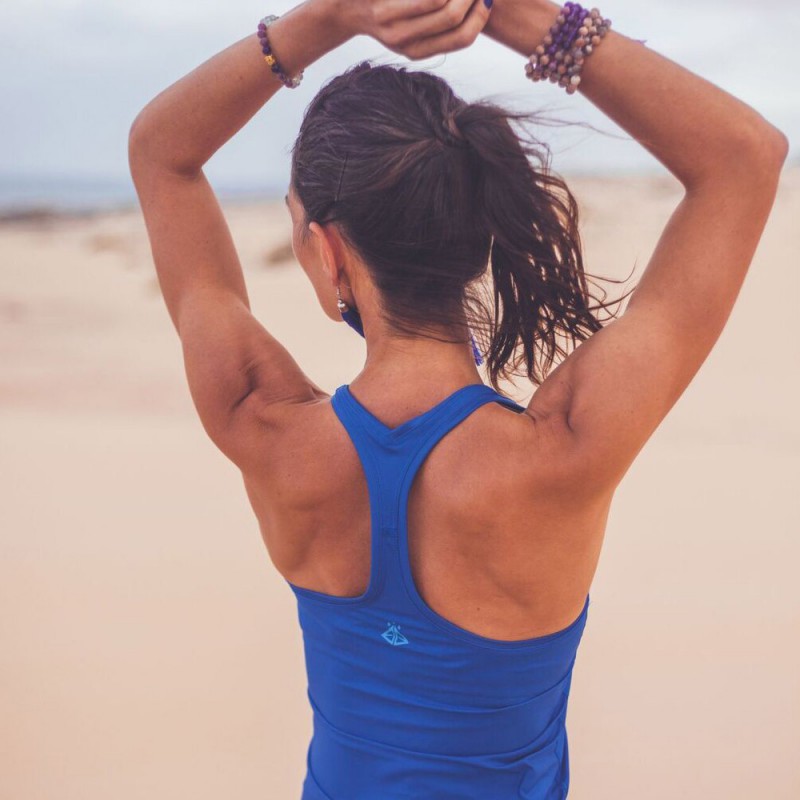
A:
{"points": [[148, 648]]}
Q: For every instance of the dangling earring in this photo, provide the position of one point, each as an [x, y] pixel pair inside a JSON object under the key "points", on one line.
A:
{"points": [[349, 315]]}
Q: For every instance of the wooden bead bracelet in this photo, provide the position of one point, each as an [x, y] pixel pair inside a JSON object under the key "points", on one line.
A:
{"points": [[572, 38]]}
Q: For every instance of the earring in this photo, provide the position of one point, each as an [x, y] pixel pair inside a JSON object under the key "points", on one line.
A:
{"points": [[349, 315], [341, 303]]}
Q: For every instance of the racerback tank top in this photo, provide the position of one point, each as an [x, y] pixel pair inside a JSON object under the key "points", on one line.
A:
{"points": [[405, 703]]}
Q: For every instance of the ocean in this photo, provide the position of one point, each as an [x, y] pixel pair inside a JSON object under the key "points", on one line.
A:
{"points": [[25, 194]]}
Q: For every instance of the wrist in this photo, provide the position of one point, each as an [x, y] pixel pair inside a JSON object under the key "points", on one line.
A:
{"points": [[306, 33], [337, 18], [521, 24]]}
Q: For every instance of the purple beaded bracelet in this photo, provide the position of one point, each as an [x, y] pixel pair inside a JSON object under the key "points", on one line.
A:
{"points": [[269, 56], [561, 55]]}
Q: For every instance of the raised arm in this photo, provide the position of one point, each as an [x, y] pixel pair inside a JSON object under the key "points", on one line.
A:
{"points": [[239, 374], [610, 394]]}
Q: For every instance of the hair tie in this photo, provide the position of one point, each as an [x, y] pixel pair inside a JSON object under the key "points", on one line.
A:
{"points": [[453, 135]]}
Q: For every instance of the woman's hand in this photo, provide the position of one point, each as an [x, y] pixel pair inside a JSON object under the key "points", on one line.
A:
{"points": [[419, 28]]}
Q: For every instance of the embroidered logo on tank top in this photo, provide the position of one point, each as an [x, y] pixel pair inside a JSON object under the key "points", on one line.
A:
{"points": [[393, 636]]}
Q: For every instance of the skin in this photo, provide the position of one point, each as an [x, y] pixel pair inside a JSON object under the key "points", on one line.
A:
{"points": [[507, 514], [329, 263], [525, 585]]}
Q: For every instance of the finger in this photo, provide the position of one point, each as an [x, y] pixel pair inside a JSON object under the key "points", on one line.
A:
{"points": [[456, 39], [400, 31], [390, 11]]}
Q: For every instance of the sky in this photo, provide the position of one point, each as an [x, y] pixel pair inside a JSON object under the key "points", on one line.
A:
{"points": [[74, 74]]}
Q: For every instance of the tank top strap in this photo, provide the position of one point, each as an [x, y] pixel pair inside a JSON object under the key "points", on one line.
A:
{"points": [[391, 458]]}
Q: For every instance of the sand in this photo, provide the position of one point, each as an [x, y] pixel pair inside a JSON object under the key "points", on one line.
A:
{"points": [[148, 648]]}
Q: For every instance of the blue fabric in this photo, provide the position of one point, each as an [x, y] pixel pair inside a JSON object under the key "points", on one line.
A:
{"points": [[405, 703]]}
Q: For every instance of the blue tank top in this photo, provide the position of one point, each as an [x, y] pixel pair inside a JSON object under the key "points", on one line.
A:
{"points": [[405, 703]]}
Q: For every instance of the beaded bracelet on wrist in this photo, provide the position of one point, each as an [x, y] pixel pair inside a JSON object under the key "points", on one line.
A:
{"points": [[573, 37], [269, 56]]}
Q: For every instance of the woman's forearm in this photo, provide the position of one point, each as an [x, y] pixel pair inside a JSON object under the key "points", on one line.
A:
{"points": [[184, 125], [693, 127]]}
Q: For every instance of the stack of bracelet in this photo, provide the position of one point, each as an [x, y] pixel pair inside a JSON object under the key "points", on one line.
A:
{"points": [[575, 34], [269, 56]]}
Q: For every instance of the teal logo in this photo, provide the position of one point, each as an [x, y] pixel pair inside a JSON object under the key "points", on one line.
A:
{"points": [[393, 636]]}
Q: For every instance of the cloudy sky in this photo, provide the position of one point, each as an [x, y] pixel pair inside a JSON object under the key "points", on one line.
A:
{"points": [[74, 74]]}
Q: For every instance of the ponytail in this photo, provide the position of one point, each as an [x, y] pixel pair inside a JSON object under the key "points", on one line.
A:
{"points": [[439, 198], [541, 298]]}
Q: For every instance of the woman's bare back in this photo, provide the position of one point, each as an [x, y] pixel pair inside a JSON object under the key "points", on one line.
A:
{"points": [[503, 541]]}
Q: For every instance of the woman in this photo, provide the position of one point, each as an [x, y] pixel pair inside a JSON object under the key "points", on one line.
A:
{"points": [[441, 539]]}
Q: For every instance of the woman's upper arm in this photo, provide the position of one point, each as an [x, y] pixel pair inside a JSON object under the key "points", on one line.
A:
{"points": [[615, 388], [239, 375]]}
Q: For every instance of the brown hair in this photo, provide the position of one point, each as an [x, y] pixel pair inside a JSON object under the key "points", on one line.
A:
{"points": [[432, 191]]}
